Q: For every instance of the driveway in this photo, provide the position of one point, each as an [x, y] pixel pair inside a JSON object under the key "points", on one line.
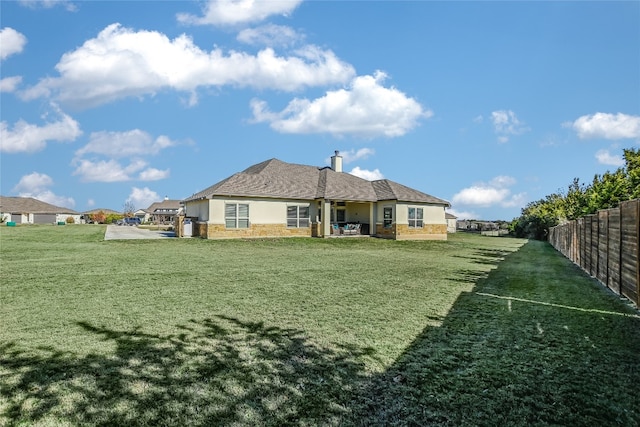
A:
{"points": [[126, 232]]}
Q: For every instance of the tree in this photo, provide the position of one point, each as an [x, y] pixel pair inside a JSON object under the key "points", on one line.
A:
{"points": [[98, 217], [632, 169], [129, 209], [605, 191]]}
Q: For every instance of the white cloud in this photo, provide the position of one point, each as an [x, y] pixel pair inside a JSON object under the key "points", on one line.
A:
{"points": [[506, 124], [495, 192], [481, 195], [113, 171], [121, 63], [367, 174], [142, 198], [11, 42], [153, 174], [606, 158], [10, 84], [29, 138], [463, 214], [48, 4], [366, 109], [91, 203], [125, 144], [37, 185], [34, 182], [107, 170], [134, 145], [270, 35], [502, 181], [353, 155], [607, 126], [233, 12]]}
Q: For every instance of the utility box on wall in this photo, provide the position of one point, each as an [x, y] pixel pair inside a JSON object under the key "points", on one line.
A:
{"points": [[187, 228]]}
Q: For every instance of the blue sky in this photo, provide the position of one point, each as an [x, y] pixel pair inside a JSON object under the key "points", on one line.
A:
{"points": [[489, 105]]}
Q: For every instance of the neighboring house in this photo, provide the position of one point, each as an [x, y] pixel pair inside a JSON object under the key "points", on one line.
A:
{"points": [[163, 212], [143, 215], [27, 210], [474, 225], [276, 199], [451, 222]]}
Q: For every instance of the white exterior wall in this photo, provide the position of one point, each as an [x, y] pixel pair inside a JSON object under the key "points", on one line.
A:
{"points": [[358, 212], [261, 211], [380, 210], [63, 218], [199, 209], [433, 214]]}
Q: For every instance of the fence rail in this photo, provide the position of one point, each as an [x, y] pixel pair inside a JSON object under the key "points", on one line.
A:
{"points": [[606, 246]]}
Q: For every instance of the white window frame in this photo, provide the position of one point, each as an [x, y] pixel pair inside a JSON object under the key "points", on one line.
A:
{"points": [[418, 217], [236, 220], [387, 222], [298, 221]]}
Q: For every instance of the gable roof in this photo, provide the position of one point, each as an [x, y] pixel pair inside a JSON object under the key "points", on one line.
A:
{"points": [[277, 179], [30, 205], [166, 205]]}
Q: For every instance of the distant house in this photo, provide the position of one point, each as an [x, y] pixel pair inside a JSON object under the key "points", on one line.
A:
{"points": [[143, 215], [275, 199], [451, 222], [27, 210], [163, 212]]}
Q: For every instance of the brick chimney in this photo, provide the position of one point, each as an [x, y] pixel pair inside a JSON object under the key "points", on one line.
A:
{"points": [[336, 162]]}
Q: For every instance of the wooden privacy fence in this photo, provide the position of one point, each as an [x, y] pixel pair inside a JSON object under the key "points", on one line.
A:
{"points": [[605, 245]]}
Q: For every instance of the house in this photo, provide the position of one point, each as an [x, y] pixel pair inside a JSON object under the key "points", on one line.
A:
{"points": [[451, 222], [163, 212], [277, 199], [27, 210]]}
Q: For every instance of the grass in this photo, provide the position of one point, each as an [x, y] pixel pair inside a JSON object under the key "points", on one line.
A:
{"points": [[473, 331]]}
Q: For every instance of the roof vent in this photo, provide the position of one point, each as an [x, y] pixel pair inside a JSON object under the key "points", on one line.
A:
{"points": [[336, 162]]}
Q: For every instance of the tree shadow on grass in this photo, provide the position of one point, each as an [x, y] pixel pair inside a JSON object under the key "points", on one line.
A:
{"points": [[220, 371], [499, 358]]}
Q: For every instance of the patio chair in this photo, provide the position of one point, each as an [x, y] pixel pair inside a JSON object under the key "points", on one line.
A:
{"points": [[335, 229]]}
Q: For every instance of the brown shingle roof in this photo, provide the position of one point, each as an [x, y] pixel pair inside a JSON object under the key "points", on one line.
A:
{"points": [[168, 204], [30, 205], [277, 179], [390, 190]]}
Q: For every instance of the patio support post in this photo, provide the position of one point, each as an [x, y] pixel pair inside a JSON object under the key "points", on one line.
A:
{"points": [[326, 218], [372, 219]]}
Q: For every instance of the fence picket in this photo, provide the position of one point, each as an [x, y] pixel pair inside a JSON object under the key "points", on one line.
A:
{"points": [[606, 246]]}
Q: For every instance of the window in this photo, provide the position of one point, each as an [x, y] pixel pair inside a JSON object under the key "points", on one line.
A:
{"points": [[388, 217], [297, 216], [415, 217], [341, 215], [236, 215]]}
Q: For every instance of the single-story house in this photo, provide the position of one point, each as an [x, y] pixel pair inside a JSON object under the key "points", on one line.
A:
{"points": [[143, 215], [277, 199], [163, 212], [451, 222], [27, 210]]}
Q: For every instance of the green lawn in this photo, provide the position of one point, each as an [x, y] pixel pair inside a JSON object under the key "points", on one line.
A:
{"points": [[473, 331]]}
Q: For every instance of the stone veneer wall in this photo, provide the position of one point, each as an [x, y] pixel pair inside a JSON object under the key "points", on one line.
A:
{"points": [[385, 233], [403, 232], [427, 232], [219, 231]]}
